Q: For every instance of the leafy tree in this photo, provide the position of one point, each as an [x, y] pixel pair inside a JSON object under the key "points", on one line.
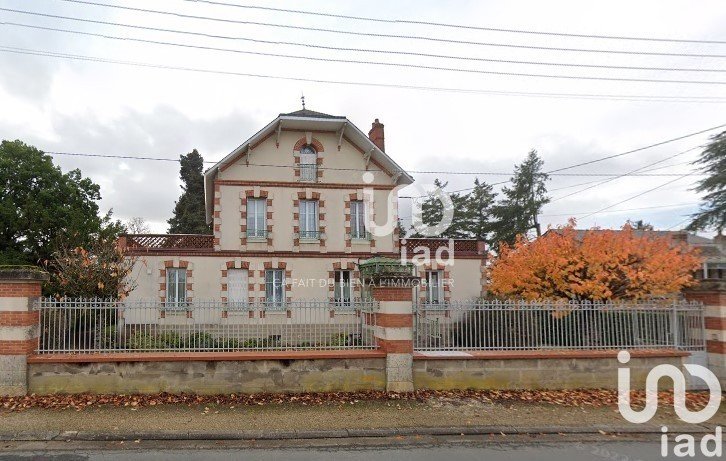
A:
{"points": [[101, 269], [39, 204], [137, 225], [432, 212], [479, 216], [712, 214], [597, 265], [189, 214], [516, 214], [639, 225]]}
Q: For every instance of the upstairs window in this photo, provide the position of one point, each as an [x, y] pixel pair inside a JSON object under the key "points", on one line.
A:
{"points": [[357, 220], [434, 287], [309, 219], [308, 164], [257, 218], [176, 286]]}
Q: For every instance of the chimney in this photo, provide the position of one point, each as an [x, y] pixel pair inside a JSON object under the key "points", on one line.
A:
{"points": [[376, 135]]}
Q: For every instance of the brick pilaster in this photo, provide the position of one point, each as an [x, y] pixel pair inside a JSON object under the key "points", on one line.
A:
{"points": [[19, 289], [714, 300], [394, 329]]}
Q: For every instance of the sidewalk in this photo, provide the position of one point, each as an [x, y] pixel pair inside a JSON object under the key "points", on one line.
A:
{"points": [[374, 418]]}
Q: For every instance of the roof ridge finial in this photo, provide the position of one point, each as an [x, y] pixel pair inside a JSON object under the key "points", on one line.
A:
{"points": [[302, 98]]}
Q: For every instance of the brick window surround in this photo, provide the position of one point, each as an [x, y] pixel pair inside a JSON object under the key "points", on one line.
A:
{"points": [[308, 140], [235, 264], [217, 217], [288, 279], [176, 264], [354, 277], [434, 266], [370, 208], [257, 193], [309, 194]]}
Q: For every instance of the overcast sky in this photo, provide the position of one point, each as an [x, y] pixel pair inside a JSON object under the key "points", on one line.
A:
{"points": [[77, 106]]}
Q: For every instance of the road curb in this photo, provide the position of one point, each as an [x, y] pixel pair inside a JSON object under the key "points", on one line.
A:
{"points": [[90, 436]]}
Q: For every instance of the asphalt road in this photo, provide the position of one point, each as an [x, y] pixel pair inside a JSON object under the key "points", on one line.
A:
{"points": [[448, 450]]}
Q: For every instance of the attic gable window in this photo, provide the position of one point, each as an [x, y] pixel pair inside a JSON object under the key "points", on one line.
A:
{"points": [[308, 164]]}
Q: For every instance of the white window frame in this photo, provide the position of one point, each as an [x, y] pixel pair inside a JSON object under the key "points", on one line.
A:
{"points": [[358, 220], [308, 164], [309, 229], [257, 218], [434, 287], [176, 286], [343, 292], [275, 287]]}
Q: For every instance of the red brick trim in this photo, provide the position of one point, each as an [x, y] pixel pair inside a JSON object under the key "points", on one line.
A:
{"points": [[296, 185], [204, 356], [709, 298], [20, 289], [19, 318], [715, 323], [168, 264], [716, 347], [395, 346], [391, 293], [288, 279], [302, 142], [550, 354], [18, 347], [250, 193], [223, 277], [354, 276], [425, 269], [394, 320]]}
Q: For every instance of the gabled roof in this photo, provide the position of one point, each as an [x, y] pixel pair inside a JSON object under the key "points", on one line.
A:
{"points": [[309, 120]]}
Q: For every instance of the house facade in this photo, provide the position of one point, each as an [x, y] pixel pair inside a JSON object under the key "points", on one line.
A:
{"points": [[295, 209]]}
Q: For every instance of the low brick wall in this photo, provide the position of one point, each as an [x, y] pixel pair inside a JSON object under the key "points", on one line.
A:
{"points": [[572, 370], [208, 377]]}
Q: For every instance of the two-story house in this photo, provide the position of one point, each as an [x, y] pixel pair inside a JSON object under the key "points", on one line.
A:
{"points": [[291, 209]]}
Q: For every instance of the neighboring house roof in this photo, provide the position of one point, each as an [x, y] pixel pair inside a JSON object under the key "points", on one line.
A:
{"points": [[312, 121], [709, 248]]}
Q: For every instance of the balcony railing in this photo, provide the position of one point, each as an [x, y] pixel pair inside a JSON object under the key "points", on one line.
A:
{"points": [[310, 234], [256, 233], [308, 172], [149, 242]]}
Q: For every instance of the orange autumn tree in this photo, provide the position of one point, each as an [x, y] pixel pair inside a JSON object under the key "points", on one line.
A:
{"points": [[594, 265]]}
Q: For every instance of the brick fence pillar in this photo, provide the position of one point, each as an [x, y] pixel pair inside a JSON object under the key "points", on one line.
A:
{"points": [[394, 330], [19, 288], [713, 296]]}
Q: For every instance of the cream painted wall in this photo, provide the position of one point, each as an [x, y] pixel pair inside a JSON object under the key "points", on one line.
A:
{"points": [[283, 196]]}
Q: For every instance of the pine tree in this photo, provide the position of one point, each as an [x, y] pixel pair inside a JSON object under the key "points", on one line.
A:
{"points": [[517, 212], [712, 214], [432, 212], [189, 214], [479, 211]]}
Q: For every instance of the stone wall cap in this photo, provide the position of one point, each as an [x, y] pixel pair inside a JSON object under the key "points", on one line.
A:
{"points": [[22, 273]]}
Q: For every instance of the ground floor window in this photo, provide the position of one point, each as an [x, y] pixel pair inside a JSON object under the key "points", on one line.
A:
{"points": [[237, 285], [275, 286], [343, 287], [434, 287], [176, 285]]}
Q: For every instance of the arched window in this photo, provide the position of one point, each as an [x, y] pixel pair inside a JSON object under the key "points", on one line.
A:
{"points": [[308, 163]]}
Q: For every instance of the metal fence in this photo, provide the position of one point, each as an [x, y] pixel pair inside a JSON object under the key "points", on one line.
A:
{"points": [[96, 325], [492, 325]]}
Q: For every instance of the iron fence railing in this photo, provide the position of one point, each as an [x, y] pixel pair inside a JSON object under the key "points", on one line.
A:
{"points": [[492, 325], [97, 325]]}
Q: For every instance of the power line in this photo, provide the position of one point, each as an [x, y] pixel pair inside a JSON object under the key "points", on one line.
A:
{"points": [[608, 157], [633, 197], [675, 205], [398, 36], [269, 165], [460, 26], [361, 50], [586, 96], [376, 63], [679, 223], [630, 173]]}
